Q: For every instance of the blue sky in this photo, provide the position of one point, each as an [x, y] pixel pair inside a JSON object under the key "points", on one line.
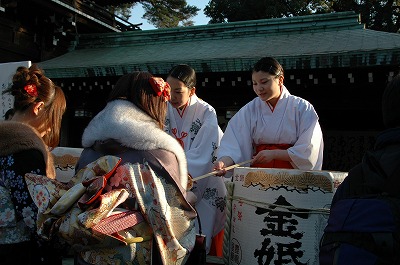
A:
{"points": [[200, 19]]}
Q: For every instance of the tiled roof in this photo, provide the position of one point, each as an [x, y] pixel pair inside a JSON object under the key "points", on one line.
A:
{"points": [[315, 41]]}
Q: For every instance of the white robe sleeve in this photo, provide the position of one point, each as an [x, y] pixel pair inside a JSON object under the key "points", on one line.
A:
{"points": [[237, 142], [202, 135], [210, 191], [294, 121], [307, 152], [201, 153]]}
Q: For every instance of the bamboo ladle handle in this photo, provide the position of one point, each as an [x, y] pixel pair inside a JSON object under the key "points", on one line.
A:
{"points": [[215, 171]]}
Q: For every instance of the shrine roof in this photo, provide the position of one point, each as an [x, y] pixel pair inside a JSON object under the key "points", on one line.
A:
{"points": [[315, 41]]}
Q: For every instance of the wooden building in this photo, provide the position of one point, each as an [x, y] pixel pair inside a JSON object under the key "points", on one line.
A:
{"points": [[330, 60], [38, 30]]}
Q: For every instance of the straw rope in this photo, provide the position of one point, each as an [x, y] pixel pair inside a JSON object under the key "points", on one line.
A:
{"points": [[227, 228], [264, 205], [230, 198]]}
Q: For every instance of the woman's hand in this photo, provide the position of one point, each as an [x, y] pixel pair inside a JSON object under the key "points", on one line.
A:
{"points": [[266, 156], [221, 164], [263, 157]]}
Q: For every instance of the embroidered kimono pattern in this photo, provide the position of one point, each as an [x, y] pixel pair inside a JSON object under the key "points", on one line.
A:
{"points": [[17, 210], [152, 171], [197, 130], [23, 151], [127, 184]]}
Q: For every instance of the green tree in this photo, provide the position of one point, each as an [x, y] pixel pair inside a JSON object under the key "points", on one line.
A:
{"points": [[381, 15], [240, 10], [167, 14], [123, 10], [160, 13]]}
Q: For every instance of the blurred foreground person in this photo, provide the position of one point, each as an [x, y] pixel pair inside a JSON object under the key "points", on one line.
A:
{"points": [[24, 143], [363, 226]]}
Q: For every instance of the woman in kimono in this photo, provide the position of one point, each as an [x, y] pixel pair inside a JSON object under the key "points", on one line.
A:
{"points": [[131, 127], [193, 122], [24, 148], [275, 130]]}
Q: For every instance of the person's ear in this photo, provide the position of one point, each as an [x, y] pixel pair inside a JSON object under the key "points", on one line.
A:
{"points": [[38, 107], [281, 78], [192, 91]]}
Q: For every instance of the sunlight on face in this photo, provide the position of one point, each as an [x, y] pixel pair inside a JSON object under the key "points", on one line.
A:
{"points": [[267, 86], [180, 93]]}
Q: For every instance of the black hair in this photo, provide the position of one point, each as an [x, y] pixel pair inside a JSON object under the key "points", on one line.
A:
{"points": [[184, 73], [269, 65], [9, 113]]}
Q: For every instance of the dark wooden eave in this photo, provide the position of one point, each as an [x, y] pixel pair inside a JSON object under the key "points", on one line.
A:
{"points": [[315, 41]]}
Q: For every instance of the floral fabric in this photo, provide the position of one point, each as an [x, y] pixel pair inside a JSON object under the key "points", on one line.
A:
{"points": [[17, 210], [172, 226], [129, 187], [22, 151]]}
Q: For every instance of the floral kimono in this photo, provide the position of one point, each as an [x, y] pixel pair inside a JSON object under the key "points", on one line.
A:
{"points": [[22, 151], [127, 200]]}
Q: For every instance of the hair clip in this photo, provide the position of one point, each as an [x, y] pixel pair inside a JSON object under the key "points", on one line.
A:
{"points": [[273, 72], [180, 76], [161, 87], [31, 89]]}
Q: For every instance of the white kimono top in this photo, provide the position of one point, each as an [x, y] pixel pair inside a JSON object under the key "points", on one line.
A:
{"points": [[196, 128], [293, 121]]}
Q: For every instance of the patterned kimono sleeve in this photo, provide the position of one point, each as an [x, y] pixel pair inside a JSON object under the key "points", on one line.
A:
{"points": [[201, 153], [30, 161]]}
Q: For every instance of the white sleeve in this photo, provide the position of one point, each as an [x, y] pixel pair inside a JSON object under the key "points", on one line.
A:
{"points": [[307, 152], [237, 141]]}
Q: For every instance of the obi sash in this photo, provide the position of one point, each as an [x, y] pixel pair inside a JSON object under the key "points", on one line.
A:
{"points": [[275, 163]]}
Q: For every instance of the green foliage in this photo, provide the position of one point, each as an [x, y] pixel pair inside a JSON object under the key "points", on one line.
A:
{"points": [[160, 13], [122, 10], [168, 14], [240, 10], [381, 15]]}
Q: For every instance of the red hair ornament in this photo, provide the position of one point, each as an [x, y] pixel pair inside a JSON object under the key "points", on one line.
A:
{"points": [[31, 89], [161, 87]]}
